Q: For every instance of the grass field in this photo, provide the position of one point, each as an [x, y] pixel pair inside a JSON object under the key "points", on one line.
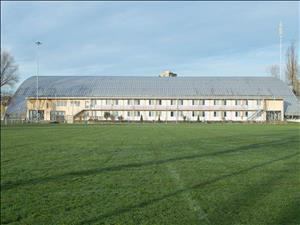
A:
{"points": [[151, 174]]}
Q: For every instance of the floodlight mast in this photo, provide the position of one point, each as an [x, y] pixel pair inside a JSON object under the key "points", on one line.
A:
{"points": [[38, 43], [280, 31]]}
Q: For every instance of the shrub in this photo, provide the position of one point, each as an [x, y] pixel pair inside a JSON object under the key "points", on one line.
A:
{"points": [[106, 115]]}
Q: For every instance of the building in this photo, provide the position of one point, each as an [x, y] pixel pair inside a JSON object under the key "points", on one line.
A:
{"points": [[100, 98], [167, 73]]}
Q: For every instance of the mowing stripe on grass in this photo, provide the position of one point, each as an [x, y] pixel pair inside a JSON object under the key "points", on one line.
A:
{"points": [[193, 205]]}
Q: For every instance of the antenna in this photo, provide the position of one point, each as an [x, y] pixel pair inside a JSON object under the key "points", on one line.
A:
{"points": [[280, 32]]}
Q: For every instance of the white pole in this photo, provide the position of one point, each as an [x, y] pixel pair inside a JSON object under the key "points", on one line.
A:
{"points": [[280, 52], [38, 43]]}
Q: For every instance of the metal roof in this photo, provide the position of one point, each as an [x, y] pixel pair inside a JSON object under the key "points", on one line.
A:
{"points": [[153, 87]]}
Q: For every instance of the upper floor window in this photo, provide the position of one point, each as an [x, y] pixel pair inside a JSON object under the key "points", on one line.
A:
{"points": [[108, 102], [129, 102], [137, 102], [159, 102], [180, 102], [151, 102], [116, 102], [61, 103], [259, 102], [246, 102], [93, 102], [237, 102], [173, 102], [224, 102], [75, 103]]}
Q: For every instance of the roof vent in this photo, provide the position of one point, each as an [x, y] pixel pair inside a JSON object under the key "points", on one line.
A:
{"points": [[167, 73]]}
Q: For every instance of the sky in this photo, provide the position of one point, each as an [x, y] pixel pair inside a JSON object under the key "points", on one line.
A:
{"points": [[146, 38]]}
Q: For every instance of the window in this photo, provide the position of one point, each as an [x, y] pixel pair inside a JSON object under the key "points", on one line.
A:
{"points": [[128, 114], [246, 114], [108, 102], [195, 102], [57, 115], [258, 102], [76, 103], [180, 102], [224, 114], [115, 113], [246, 102], [173, 102], [159, 102], [151, 114], [61, 103], [172, 114], [203, 114], [215, 102], [129, 102], [202, 102], [237, 102], [93, 102], [215, 114], [116, 102], [36, 115], [237, 114], [224, 102], [137, 102], [193, 114]]}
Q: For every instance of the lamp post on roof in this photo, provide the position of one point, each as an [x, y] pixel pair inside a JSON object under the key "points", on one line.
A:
{"points": [[38, 43]]}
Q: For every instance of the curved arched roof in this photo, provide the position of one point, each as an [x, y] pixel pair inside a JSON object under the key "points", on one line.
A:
{"points": [[118, 86]]}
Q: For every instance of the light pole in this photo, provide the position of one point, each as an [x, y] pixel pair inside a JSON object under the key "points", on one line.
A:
{"points": [[38, 43], [280, 31]]}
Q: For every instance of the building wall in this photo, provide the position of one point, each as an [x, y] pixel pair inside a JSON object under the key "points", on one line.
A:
{"points": [[154, 109]]}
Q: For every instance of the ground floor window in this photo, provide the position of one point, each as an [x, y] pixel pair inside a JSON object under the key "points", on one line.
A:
{"points": [[57, 115], [273, 115], [172, 114], [36, 114]]}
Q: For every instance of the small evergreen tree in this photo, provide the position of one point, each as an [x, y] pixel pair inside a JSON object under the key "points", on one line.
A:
{"points": [[106, 115]]}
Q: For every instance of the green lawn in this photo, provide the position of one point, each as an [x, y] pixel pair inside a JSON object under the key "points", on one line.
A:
{"points": [[151, 174]]}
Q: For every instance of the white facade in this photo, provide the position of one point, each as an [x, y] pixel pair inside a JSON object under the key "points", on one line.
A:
{"points": [[117, 109]]}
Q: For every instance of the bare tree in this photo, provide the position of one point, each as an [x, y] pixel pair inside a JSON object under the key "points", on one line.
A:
{"points": [[9, 70], [274, 71], [292, 68]]}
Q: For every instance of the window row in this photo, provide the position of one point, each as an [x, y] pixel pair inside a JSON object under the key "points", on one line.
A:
{"points": [[174, 102], [93, 102], [171, 113]]}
